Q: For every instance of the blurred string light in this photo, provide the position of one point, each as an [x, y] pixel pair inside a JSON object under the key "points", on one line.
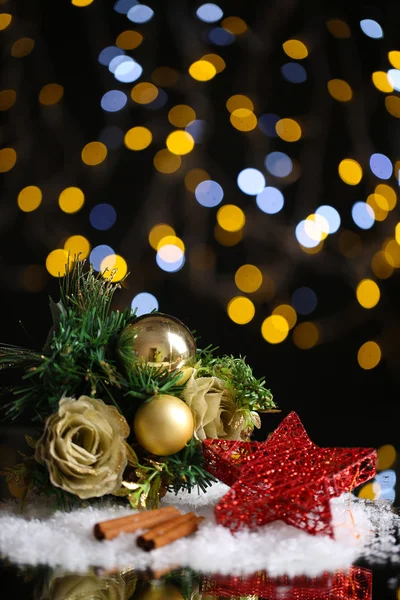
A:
{"points": [[7, 99], [350, 171], [57, 263], [140, 13], [387, 456], [181, 115], [380, 265], [288, 130], [108, 54], [94, 153], [166, 162], [231, 218], [8, 158], [113, 101], [144, 303], [51, 94], [180, 142], [71, 200], [159, 101], [243, 119], [393, 76], [392, 104], [194, 177], [227, 238], [381, 82], [312, 231], [340, 90], [144, 93], [202, 70], [77, 246], [363, 215], [270, 200], [294, 72], [278, 164], [304, 300], [368, 293], [98, 254], [379, 206], [251, 181], [331, 216], [369, 355], [239, 101], [29, 198], [339, 29], [170, 266], [267, 124], [234, 25], [103, 216], [220, 36], [81, 3], [394, 58], [196, 129], [241, 310], [287, 312], [123, 6], [22, 47], [113, 267], [216, 60], [209, 193], [138, 138], [371, 28], [209, 12], [275, 329], [125, 69], [306, 335], [158, 232], [295, 49], [129, 40], [392, 253], [5, 20], [248, 278]]}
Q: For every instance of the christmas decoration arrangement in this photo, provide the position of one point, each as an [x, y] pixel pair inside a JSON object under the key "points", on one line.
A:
{"points": [[122, 403]]}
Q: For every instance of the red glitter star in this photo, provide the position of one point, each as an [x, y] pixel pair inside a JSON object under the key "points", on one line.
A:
{"points": [[287, 477]]}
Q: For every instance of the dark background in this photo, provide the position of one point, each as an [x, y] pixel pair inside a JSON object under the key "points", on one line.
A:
{"points": [[339, 403]]}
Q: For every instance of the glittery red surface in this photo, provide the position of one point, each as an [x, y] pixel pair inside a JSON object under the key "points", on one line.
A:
{"points": [[353, 584], [286, 477]]}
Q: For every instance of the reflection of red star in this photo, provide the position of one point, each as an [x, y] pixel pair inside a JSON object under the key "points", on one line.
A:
{"points": [[286, 477]]}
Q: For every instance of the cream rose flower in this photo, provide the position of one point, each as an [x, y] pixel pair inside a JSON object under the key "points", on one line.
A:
{"points": [[83, 447], [215, 412]]}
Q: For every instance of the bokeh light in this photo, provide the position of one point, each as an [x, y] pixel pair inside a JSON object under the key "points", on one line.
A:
{"points": [[125, 69], [166, 162], [369, 355], [239, 101], [231, 218], [111, 136], [98, 254], [77, 246], [202, 70], [196, 129], [216, 60], [81, 3], [380, 265], [295, 49], [241, 310], [194, 177], [287, 312], [57, 263], [94, 153], [51, 94], [248, 278], [123, 6], [394, 58], [368, 293], [392, 253], [220, 36], [386, 457], [140, 13], [288, 130], [270, 200], [71, 200], [392, 104], [381, 82], [379, 206], [158, 232], [181, 115], [209, 12], [381, 166], [278, 164], [267, 124], [29, 198], [243, 119], [113, 267], [371, 28], [350, 171], [275, 329], [108, 54], [339, 29], [113, 101], [234, 25], [304, 300], [251, 181], [306, 335], [294, 72], [129, 40], [393, 76], [7, 99], [103, 216], [169, 266], [22, 47], [144, 303], [138, 138], [180, 142], [5, 20], [227, 238], [8, 158], [340, 90], [209, 193], [363, 215], [331, 215], [349, 244], [144, 92]]}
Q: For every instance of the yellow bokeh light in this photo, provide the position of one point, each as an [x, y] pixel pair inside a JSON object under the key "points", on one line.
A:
{"points": [[394, 58], [234, 25], [350, 244], [29, 198], [71, 200], [386, 457], [171, 240], [392, 253], [248, 278], [295, 49], [138, 138], [381, 82], [379, 205], [170, 253], [368, 293], [369, 355], [227, 238], [231, 218], [288, 130], [22, 47], [181, 115], [113, 267], [165, 76], [5, 20], [7, 99], [314, 249], [180, 142], [339, 29], [94, 153], [316, 227], [158, 232], [305, 335], [392, 104], [194, 177], [77, 246], [243, 119], [239, 101], [340, 90], [8, 158], [51, 94], [215, 60], [166, 162], [287, 312], [81, 3], [388, 194], [202, 70], [144, 92], [275, 329], [380, 266], [128, 40], [370, 491], [241, 310], [397, 233], [350, 171], [57, 263]]}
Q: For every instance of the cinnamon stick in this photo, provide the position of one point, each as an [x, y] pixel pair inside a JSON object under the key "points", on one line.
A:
{"points": [[168, 532], [107, 530]]}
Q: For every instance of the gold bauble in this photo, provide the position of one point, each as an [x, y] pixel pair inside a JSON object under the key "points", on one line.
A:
{"points": [[159, 339], [163, 425]]}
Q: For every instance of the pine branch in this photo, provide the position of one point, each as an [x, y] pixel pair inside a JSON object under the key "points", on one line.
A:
{"points": [[186, 469]]}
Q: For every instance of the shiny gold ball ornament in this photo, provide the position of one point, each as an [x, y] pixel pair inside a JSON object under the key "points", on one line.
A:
{"points": [[163, 425], [159, 339]]}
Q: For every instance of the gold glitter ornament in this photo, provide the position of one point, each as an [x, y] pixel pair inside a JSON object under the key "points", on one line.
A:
{"points": [[163, 425], [157, 339]]}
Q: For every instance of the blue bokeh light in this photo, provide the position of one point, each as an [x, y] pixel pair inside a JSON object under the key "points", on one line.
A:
{"points": [[270, 200], [170, 267], [125, 69], [363, 215], [102, 216], [251, 181], [113, 101], [209, 12], [278, 164], [267, 123], [304, 300], [209, 193], [381, 166], [98, 254], [294, 72], [196, 129], [220, 36], [159, 102], [112, 136], [140, 13], [123, 6], [393, 76], [371, 28], [303, 238], [331, 215], [144, 303], [108, 54]]}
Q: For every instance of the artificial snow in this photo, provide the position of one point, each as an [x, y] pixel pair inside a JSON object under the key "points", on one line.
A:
{"points": [[363, 529]]}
